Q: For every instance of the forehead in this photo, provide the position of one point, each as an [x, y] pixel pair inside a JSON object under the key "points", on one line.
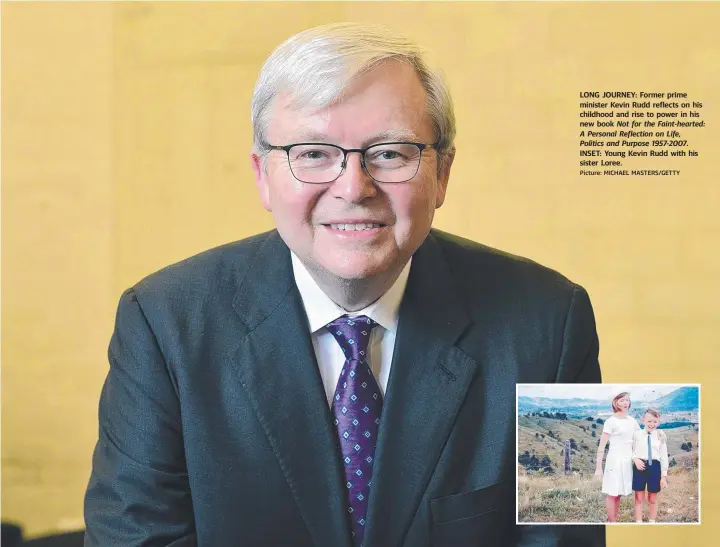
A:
{"points": [[388, 102]]}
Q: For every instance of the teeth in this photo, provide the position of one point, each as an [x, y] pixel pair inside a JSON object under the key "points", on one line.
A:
{"points": [[354, 227]]}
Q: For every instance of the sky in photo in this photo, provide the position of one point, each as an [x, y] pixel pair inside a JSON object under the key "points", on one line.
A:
{"points": [[605, 392]]}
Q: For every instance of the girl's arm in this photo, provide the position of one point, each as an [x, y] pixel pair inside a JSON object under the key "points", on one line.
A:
{"points": [[601, 452], [634, 447]]}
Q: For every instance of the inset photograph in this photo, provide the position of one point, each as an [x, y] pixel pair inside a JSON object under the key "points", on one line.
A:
{"points": [[608, 453]]}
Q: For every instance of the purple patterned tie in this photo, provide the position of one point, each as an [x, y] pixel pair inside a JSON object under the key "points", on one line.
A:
{"points": [[357, 405]]}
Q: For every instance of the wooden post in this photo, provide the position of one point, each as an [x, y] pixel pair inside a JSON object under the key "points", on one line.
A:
{"points": [[567, 458]]}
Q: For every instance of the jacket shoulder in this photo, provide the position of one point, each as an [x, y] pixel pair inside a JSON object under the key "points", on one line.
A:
{"points": [[474, 263], [211, 273]]}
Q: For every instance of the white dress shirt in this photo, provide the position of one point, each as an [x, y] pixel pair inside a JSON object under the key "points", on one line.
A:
{"points": [[658, 446], [321, 310]]}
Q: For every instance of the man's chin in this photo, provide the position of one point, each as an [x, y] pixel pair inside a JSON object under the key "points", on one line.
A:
{"points": [[355, 268], [355, 272], [352, 264]]}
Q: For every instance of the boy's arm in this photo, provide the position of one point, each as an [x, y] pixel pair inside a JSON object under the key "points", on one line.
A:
{"points": [[664, 457]]}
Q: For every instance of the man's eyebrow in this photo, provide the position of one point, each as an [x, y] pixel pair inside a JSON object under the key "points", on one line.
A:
{"points": [[311, 135], [392, 135]]}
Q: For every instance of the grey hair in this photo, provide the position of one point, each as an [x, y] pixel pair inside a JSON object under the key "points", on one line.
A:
{"points": [[315, 66]]}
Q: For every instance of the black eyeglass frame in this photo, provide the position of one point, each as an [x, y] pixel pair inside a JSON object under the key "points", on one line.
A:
{"points": [[420, 145]]}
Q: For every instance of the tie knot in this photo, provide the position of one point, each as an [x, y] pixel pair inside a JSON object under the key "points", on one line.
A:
{"points": [[353, 335]]}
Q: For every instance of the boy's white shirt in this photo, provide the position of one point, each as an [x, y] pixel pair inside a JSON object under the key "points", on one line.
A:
{"points": [[659, 448]]}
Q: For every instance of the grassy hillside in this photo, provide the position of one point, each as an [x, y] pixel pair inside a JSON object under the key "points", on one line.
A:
{"points": [[544, 437], [575, 498]]}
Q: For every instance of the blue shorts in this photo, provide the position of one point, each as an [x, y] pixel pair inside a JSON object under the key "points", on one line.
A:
{"points": [[649, 478]]}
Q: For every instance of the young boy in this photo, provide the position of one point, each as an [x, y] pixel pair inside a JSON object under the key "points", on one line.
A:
{"points": [[650, 457]]}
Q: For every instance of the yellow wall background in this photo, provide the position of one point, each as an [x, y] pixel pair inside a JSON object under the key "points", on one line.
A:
{"points": [[125, 147]]}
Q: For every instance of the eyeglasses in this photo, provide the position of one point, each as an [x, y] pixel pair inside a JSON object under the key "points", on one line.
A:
{"points": [[390, 162]]}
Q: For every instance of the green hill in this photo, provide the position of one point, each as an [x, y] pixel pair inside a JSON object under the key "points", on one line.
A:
{"points": [[684, 398]]}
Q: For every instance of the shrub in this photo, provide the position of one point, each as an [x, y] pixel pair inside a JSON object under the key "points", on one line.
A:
{"points": [[558, 494]]}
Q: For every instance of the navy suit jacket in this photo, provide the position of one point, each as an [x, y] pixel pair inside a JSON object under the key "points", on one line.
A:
{"points": [[215, 429]]}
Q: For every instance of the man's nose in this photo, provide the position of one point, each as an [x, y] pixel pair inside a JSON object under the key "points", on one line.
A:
{"points": [[354, 184]]}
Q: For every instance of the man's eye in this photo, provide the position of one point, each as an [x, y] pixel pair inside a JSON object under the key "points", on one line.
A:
{"points": [[387, 155], [312, 155]]}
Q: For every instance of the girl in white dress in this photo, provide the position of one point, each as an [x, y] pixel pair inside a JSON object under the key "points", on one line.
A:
{"points": [[617, 480]]}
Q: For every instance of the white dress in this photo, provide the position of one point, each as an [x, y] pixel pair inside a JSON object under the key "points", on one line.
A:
{"points": [[617, 478]]}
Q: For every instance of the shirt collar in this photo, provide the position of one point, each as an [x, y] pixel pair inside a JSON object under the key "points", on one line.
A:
{"points": [[321, 310]]}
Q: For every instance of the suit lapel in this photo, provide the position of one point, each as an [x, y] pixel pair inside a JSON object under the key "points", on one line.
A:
{"points": [[277, 367], [428, 382]]}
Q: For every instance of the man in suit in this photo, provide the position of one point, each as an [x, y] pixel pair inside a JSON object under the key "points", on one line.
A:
{"points": [[349, 378]]}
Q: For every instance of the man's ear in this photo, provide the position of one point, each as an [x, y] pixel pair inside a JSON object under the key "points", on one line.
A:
{"points": [[444, 177], [261, 179]]}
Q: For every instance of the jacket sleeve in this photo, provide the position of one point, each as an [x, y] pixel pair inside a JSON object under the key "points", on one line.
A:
{"points": [[567, 535], [578, 364], [138, 492], [580, 346]]}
